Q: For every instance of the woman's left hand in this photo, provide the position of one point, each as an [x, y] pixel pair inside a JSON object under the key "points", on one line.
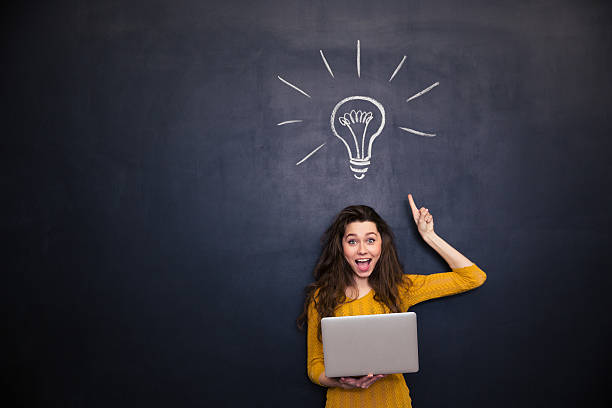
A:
{"points": [[422, 218], [361, 382]]}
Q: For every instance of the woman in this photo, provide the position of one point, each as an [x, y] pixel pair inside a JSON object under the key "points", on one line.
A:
{"points": [[359, 273]]}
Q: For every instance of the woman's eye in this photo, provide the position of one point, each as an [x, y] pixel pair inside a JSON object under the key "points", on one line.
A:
{"points": [[351, 242], [371, 240]]}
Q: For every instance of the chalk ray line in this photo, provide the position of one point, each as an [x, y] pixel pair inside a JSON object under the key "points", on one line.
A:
{"points": [[308, 155], [358, 59], [326, 64], [397, 69], [293, 86], [424, 91], [288, 121], [416, 132]]}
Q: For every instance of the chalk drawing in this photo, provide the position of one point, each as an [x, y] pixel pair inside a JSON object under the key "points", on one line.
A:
{"points": [[359, 157], [288, 122], [326, 64], [398, 68], [358, 59], [416, 132], [293, 86], [309, 154], [357, 120], [424, 91]]}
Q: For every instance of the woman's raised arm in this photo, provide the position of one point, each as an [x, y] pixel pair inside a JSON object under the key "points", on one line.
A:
{"points": [[425, 225]]}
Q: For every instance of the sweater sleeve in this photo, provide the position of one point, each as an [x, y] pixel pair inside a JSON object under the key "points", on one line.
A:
{"points": [[314, 363], [425, 287]]}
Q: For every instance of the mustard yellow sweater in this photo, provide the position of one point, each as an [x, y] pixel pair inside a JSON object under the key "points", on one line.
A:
{"points": [[390, 391]]}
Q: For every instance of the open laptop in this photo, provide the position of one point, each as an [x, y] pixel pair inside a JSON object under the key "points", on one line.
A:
{"points": [[377, 344]]}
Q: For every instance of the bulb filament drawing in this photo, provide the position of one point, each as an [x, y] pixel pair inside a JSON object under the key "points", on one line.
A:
{"points": [[355, 131]]}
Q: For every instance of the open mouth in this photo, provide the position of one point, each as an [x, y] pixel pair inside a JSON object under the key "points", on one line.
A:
{"points": [[363, 264]]}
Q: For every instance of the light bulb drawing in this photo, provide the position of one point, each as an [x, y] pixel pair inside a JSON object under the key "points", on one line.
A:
{"points": [[353, 131], [356, 120]]}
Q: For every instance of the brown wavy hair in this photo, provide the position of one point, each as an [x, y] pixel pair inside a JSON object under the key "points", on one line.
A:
{"points": [[333, 275]]}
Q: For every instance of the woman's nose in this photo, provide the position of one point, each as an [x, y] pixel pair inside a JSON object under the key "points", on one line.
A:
{"points": [[362, 249]]}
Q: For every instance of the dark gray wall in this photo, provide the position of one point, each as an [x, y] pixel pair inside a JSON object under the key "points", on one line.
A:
{"points": [[158, 234]]}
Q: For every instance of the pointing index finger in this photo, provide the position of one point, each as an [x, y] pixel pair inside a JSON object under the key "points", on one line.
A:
{"points": [[415, 210]]}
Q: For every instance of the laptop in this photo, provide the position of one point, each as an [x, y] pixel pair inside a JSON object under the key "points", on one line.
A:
{"points": [[377, 344]]}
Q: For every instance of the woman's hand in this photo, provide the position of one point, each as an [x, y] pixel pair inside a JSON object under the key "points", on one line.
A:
{"points": [[359, 382], [422, 218], [349, 383], [424, 221]]}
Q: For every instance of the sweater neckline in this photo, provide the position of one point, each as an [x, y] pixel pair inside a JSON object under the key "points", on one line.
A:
{"points": [[370, 292]]}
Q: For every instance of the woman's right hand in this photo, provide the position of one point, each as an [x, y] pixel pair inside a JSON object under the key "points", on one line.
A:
{"points": [[359, 382]]}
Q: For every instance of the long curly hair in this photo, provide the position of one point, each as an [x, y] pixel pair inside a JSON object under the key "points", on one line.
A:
{"points": [[333, 275]]}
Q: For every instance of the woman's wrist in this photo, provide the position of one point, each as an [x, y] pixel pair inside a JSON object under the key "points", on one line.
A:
{"points": [[453, 257], [328, 382], [429, 237]]}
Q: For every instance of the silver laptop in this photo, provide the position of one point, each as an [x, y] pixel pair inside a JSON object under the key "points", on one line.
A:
{"points": [[378, 344]]}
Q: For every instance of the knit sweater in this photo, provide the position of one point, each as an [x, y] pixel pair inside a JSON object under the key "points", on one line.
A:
{"points": [[390, 391]]}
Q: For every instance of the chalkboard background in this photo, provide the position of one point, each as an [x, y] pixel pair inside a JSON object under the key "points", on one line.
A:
{"points": [[157, 233]]}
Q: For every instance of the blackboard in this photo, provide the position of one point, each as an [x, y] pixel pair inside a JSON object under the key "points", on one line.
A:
{"points": [[158, 232]]}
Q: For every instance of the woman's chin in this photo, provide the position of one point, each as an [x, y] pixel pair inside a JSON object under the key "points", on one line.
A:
{"points": [[362, 274]]}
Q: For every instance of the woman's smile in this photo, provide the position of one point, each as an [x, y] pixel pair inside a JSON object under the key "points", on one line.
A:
{"points": [[363, 264]]}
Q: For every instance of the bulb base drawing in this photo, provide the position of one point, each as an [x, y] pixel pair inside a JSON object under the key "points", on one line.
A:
{"points": [[360, 167]]}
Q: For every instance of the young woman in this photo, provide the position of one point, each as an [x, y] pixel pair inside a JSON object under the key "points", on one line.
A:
{"points": [[359, 273]]}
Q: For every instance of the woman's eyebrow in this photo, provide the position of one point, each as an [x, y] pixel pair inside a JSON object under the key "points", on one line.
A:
{"points": [[353, 234]]}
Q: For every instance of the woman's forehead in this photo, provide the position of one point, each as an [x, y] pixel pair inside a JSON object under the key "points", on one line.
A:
{"points": [[360, 228]]}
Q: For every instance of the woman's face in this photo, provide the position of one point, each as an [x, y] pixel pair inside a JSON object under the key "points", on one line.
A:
{"points": [[362, 245]]}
